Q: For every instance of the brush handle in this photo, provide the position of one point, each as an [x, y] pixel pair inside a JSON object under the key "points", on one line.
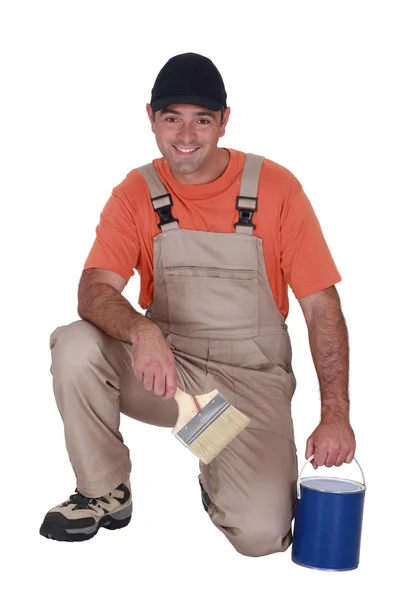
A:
{"points": [[189, 406]]}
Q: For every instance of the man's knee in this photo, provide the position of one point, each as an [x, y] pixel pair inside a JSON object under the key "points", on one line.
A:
{"points": [[261, 538], [73, 348], [255, 530]]}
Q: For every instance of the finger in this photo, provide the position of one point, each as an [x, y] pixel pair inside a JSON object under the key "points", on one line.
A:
{"points": [[320, 457], [350, 455], [138, 374], [341, 457], [148, 380], [309, 447], [170, 385], [331, 457], [159, 383]]}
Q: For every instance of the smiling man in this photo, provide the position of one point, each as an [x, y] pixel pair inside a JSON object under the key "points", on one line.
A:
{"points": [[216, 236]]}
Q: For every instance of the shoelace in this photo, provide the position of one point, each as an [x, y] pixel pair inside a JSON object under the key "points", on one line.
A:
{"points": [[82, 501]]}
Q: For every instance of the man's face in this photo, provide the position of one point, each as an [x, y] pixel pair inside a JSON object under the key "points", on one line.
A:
{"points": [[187, 135]]}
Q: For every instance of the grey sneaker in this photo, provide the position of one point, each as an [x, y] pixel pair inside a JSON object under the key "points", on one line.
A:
{"points": [[79, 518]]}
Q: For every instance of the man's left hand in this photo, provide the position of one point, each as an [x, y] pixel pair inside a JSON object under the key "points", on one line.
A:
{"points": [[332, 443]]}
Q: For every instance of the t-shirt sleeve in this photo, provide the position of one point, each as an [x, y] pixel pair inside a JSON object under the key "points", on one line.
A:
{"points": [[116, 246], [306, 260]]}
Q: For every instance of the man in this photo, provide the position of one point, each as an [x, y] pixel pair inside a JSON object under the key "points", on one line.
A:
{"points": [[216, 236]]}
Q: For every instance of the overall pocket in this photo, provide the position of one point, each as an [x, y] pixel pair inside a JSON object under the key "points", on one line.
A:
{"points": [[213, 302]]}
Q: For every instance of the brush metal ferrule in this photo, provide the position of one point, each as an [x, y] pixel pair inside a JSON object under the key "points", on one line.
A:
{"points": [[204, 418]]}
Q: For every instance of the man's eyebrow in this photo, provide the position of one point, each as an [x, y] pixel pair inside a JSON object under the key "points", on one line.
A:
{"points": [[200, 113], [204, 113], [163, 111]]}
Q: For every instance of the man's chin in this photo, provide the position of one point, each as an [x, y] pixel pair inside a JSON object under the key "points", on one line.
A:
{"points": [[184, 166], [185, 169]]}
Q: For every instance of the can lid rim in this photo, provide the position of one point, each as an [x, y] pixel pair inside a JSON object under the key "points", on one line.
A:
{"points": [[362, 487]]}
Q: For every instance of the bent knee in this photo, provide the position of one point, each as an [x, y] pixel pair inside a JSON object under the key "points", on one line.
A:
{"points": [[256, 532], [74, 346], [261, 539]]}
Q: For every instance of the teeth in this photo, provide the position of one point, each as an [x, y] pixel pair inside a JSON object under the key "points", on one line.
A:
{"points": [[187, 150]]}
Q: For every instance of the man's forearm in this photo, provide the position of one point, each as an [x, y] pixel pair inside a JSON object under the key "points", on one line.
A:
{"points": [[106, 308], [329, 346]]}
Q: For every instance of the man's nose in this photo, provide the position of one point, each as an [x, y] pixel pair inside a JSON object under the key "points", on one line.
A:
{"points": [[187, 134]]}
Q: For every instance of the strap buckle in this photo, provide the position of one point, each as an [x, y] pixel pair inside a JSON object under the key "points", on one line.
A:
{"points": [[164, 212], [246, 212]]}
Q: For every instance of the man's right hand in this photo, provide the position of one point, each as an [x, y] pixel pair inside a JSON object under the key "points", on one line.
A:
{"points": [[153, 361]]}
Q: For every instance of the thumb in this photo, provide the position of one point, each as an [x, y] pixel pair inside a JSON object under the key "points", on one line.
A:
{"points": [[310, 450], [309, 447]]}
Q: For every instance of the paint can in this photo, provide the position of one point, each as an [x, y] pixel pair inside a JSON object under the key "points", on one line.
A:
{"points": [[328, 522]]}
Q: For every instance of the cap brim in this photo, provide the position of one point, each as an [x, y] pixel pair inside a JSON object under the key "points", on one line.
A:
{"points": [[197, 100]]}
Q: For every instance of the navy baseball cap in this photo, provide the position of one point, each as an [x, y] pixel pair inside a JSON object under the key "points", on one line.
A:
{"points": [[189, 79]]}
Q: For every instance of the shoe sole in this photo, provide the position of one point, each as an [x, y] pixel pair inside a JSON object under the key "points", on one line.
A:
{"points": [[205, 498], [56, 527]]}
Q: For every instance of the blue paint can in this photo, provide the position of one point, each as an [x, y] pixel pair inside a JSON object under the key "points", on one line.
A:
{"points": [[328, 522]]}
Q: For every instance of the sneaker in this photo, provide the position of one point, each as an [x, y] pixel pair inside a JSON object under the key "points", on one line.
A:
{"points": [[79, 518]]}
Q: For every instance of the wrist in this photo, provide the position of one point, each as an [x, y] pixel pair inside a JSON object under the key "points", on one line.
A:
{"points": [[335, 414], [141, 326]]}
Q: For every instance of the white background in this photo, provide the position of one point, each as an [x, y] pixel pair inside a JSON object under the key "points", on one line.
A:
{"points": [[312, 85]]}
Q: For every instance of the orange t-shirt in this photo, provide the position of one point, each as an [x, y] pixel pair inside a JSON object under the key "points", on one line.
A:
{"points": [[295, 250]]}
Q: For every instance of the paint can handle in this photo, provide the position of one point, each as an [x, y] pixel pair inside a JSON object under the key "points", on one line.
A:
{"points": [[309, 460]]}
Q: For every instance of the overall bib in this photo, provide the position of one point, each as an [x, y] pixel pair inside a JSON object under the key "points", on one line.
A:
{"points": [[214, 305]]}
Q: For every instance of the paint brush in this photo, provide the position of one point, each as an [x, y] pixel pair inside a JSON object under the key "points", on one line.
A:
{"points": [[207, 423]]}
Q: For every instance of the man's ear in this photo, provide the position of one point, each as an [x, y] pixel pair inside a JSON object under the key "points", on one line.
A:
{"points": [[151, 115], [225, 121]]}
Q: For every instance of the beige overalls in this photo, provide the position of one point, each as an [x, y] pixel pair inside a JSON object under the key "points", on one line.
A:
{"points": [[214, 305]]}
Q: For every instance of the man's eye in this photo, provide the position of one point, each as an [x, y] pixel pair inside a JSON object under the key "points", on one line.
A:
{"points": [[204, 121], [171, 120]]}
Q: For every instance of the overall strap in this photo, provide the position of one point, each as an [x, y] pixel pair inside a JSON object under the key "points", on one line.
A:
{"points": [[246, 202], [161, 200]]}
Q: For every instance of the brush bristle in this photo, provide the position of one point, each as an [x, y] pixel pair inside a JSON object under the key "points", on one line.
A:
{"points": [[219, 434]]}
